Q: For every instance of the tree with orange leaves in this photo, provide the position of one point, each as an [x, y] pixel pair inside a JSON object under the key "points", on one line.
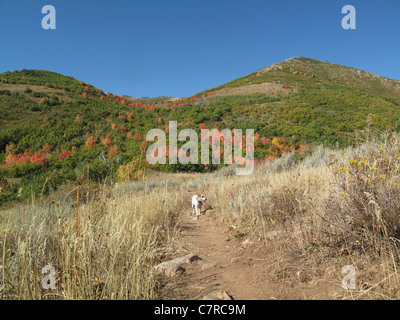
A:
{"points": [[90, 142]]}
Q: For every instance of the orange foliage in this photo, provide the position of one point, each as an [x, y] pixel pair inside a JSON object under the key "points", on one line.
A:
{"points": [[106, 141], [138, 135], [90, 142], [39, 158], [64, 154], [113, 152]]}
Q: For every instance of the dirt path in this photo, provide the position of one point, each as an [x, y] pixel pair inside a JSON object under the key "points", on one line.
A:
{"points": [[229, 268], [240, 271], [224, 267]]}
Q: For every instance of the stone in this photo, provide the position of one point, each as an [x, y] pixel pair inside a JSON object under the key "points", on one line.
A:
{"points": [[217, 295]]}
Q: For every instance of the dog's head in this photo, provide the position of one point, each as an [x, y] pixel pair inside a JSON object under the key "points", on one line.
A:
{"points": [[203, 198]]}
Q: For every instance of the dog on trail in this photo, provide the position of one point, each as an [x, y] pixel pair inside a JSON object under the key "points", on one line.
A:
{"points": [[197, 203]]}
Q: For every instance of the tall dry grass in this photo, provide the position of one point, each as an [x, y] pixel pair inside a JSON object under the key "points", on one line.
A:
{"points": [[103, 246], [336, 204], [344, 204]]}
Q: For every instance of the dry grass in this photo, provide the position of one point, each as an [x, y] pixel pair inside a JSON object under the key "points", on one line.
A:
{"points": [[103, 247], [335, 208]]}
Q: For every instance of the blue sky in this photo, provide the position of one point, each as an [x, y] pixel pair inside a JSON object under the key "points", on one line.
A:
{"points": [[180, 47]]}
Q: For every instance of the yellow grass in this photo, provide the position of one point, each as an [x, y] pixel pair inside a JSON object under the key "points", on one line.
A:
{"points": [[104, 248]]}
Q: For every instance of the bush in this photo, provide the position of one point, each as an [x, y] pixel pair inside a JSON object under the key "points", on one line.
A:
{"points": [[363, 209]]}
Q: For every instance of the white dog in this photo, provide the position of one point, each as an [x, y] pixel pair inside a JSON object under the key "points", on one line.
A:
{"points": [[197, 203]]}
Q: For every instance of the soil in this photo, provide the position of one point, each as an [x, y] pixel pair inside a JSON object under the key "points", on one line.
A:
{"points": [[246, 268]]}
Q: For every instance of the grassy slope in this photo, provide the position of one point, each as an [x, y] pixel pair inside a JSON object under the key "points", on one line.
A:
{"points": [[334, 105], [348, 211]]}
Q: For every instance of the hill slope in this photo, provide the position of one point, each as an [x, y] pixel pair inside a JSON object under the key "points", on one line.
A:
{"points": [[54, 128], [309, 74]]}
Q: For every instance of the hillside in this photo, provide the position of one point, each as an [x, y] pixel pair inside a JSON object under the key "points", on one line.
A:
{"points": [[56, 129], [321, 205], [303, 74]]}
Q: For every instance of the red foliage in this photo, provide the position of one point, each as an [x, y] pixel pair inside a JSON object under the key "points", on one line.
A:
{"points": [[90, 142], [113, 126], [202, 126], [46, 148], [78, 118], [87, 89], [123, 129], [16, 159], [138, 135], [64, 154], [113, 152], [265, 140], [39, 158], [85, 95], [106, 141]]}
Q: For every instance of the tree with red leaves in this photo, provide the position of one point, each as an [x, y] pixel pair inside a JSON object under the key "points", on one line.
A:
{"points": [[113, 152], [138, 135], [14, 159], [64, 154], [265, 140], [90, 142], [39, 158], [106, 141], [85, 95], [46, 148]]}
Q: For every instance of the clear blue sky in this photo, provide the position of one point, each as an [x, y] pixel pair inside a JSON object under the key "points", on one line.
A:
{"points": [[180, 47]]}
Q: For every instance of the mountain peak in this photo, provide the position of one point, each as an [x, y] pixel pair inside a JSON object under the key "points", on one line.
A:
{"points": [[309, 74]]}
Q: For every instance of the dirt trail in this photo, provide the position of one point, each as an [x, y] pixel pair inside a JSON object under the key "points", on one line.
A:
{"points": [[239, 270], [231, 269]]}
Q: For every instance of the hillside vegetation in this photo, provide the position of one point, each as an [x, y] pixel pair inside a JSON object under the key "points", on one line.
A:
{"points": [[77, 193], [55, 129]]}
